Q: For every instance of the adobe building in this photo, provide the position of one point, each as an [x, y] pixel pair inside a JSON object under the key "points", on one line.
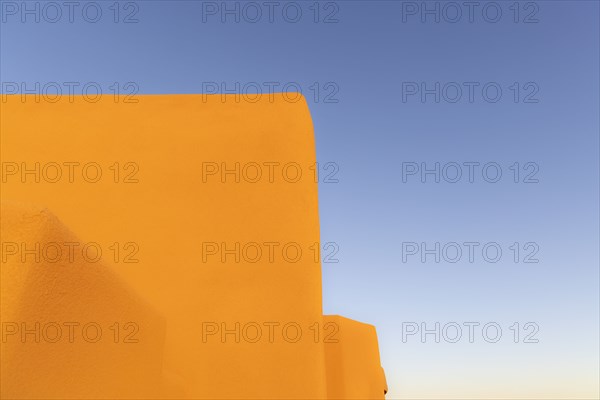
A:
{"points": [[168, 246]]}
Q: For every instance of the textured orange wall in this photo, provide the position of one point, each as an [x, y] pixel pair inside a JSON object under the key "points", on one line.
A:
{"points": [[168, 214]]}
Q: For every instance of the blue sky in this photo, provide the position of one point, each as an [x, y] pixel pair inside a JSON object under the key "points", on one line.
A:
{"points": [[512, 86]]}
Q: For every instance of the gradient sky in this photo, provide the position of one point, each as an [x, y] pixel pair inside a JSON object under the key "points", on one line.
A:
{"points": [[364, 57]]}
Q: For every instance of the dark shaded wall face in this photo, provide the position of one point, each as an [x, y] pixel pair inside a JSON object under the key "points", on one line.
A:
{"points": [[457, 150]]}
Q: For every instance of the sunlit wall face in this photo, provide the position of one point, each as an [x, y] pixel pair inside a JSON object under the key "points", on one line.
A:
{"points": [[457, 147]]}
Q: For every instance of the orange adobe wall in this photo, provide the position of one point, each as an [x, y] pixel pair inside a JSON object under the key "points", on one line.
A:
{"points": [[168, 248]]}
